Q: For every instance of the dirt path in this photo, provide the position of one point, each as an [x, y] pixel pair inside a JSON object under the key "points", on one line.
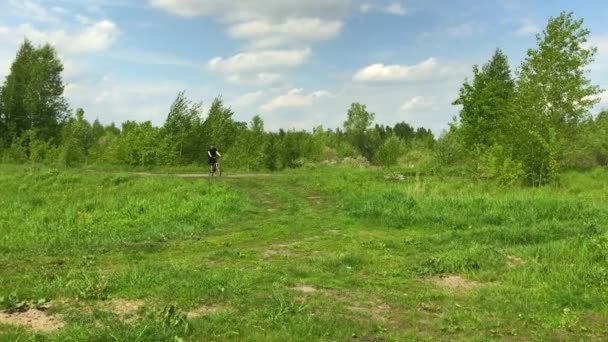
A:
{"points": [[200, 175]]}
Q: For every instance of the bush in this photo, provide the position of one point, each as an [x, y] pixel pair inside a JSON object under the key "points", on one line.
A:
{"points": [[14, 154], [389, 152], [360, 162], [499, 165]]}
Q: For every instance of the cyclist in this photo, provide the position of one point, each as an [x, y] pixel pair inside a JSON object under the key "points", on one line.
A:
{"points": [[213, 154]]}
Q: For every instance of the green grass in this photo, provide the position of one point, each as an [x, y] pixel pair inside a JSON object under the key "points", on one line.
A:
{"points": [[331, 254]]}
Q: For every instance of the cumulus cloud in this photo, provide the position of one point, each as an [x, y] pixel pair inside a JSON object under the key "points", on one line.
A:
{"points": [[528, 28], [259, 61], [417, 102], [264, 34], [294, 98], [93, 38], [31, 10], [366, 7], [395, 8], [459, 31], [118, 100], [397, 73], [247, 99], [259, 79], [239, 10]]}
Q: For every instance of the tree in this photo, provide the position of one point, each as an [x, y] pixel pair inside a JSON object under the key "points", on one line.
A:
{"points": [[389, 152], [183, 129], [219, 127], [356, 127], [32, 95], [554, 95], [404, 131], [77, 139], [487, 103], [247, 151]]}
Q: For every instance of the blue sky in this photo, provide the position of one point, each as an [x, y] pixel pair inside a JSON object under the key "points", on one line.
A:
{"points": [[297, 63]]}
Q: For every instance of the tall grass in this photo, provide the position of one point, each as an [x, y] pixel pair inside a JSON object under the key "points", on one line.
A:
{"points": [[46, 211]]}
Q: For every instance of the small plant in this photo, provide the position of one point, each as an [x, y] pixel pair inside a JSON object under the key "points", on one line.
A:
{"points": [[14, 304], [96, 289], [172, 317]]}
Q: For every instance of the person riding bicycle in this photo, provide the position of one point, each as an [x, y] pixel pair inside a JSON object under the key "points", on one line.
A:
{"points": [[213, 154]]}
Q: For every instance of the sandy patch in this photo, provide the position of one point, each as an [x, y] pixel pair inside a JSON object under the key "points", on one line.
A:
{"points": [[514, 261], [33, 319], [205, 311], [274, 252], [305, 289], [456, 282], [378, 312]]}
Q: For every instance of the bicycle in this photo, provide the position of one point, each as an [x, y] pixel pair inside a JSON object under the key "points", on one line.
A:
{"points": [[215, 168]]}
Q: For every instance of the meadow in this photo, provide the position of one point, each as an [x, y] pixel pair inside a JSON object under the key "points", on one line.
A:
{"points": [[328, 253]]}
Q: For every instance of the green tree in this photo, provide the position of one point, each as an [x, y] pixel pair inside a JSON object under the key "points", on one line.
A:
{"points": [[554, 96], [183, 129], [77, 139], [247, 151], [389, 152], [32, 94], [219, 127], [487, 103], [404, 131], [357, 126]]}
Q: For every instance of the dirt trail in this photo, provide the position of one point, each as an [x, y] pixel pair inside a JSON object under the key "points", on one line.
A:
{"points": [[202, 175]]}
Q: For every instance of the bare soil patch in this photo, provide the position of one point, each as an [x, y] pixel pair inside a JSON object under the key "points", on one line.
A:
{"points": [[456, 282], [305, 289], [124, 306], [205, 311], [276, 252], [377, 312], [33, 319], [514, 261]]}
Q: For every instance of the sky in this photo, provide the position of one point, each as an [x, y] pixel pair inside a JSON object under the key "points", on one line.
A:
{"points": [[298, 64]]}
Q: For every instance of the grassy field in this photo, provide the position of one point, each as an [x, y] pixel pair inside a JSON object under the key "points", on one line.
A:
{"points": [[330, 254]]}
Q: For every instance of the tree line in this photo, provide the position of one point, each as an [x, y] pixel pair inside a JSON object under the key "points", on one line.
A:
{"points": [[513, 127], [37, 125]]}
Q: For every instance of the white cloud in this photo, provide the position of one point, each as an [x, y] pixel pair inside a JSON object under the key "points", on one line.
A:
{"points": [[96, 37], [83, 20], [259, 61], [247, 99], [153, 58], [118, 100], [32, 10], [417, 102], [601, 43], [528, 28], [601, 58], [463, 30], [366, 7], [388, 73], [239, 10], [266, 34], [294, 98], [395, 8], [259, 79]]}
